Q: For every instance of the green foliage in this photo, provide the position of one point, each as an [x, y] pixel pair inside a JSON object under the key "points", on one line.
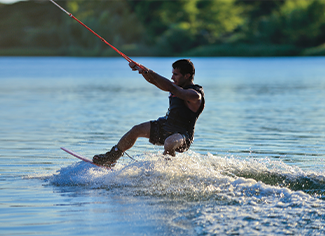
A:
{"points": [[217, 18], [241, 49], [165, 28], [297, 22], [25, 24], [176, 26], [315, 51], [303, 21], [116, 23]]}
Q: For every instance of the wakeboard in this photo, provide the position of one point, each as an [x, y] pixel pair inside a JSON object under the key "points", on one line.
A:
{"points": [[83, 158]]}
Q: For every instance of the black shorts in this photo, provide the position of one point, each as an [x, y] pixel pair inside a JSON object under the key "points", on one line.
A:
{"points": [[158, 135]]}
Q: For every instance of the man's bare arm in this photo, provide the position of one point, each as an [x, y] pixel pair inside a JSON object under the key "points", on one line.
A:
{"points": [[189, 95]]}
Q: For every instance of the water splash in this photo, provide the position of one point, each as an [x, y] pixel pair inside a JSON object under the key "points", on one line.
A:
{"points": [[214, 194], [193, 176]]}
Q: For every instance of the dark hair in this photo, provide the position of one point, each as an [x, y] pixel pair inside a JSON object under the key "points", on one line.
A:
{"points": [[185, 66]]}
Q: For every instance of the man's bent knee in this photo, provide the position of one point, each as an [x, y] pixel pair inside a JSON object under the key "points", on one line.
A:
{"points": [[141, 130], [172, 143]]}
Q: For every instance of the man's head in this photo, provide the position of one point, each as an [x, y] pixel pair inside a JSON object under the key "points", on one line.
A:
{"points": [[185, 66]]}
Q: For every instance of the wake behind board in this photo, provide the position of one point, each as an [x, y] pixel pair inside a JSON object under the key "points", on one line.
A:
{"points": [[83, 158]]}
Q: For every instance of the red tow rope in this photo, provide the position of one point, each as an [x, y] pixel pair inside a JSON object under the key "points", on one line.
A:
{"points": [[101, 38]]}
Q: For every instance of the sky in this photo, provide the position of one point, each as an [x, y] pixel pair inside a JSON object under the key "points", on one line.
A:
{"points": [[9, 1]]}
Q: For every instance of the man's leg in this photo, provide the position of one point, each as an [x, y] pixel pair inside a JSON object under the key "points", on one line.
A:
{"points": [[172, 143], [125, 143], [137, 131]]}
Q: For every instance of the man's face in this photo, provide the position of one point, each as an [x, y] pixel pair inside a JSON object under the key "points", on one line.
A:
{"points": [[178, 78]]}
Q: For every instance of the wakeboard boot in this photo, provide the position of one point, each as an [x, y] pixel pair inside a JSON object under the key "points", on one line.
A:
{"points": [[109, 158]]}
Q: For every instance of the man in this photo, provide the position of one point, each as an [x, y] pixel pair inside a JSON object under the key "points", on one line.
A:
{"points": [[176, 130]]}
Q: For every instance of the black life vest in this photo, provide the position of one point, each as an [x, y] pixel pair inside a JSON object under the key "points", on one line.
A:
{"points": [[179, 118]]}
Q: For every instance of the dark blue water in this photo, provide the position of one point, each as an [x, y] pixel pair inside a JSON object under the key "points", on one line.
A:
{"points": [[256, 166]]}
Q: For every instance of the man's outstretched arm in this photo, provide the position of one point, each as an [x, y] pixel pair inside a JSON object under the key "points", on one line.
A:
{"points": [[154, 78], [166, 85]]}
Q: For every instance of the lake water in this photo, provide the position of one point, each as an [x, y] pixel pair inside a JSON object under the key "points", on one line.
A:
{"points": [[256, 166]]}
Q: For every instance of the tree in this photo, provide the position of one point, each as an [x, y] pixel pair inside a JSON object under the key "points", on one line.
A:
{"points": [[177, 26], [303, 22], [296, 22], [113, 20]]}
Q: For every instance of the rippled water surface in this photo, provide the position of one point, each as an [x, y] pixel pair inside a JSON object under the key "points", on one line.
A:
{"points": [[256, 166]]}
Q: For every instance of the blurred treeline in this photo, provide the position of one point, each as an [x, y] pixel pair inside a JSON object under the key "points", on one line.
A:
{"points": [[165, 28]]}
